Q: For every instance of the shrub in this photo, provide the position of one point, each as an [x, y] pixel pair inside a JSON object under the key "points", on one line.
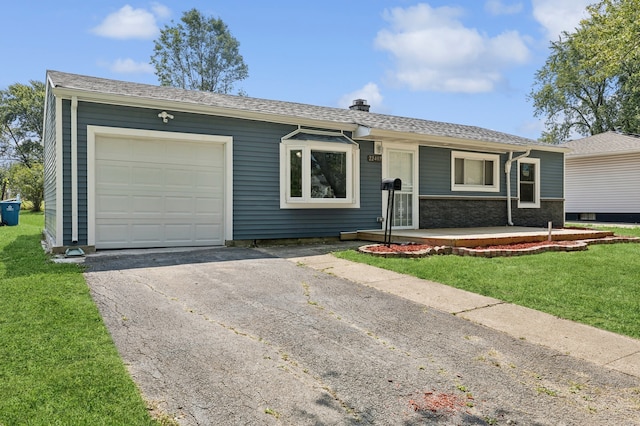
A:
{"points": [[28, 182]]}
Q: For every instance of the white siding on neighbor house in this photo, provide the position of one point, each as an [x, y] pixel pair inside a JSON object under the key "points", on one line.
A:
{"points": [[604, 184]]}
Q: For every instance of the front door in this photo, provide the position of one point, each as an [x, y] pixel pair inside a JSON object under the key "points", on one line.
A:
{"points": [[400, 163]]}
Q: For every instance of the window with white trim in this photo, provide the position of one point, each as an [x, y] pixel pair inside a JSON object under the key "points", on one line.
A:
{"points": [[319, 170], [472, 171], [529, 183]]}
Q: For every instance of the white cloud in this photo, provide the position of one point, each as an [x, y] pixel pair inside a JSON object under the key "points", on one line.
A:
{"points": [[556, 16], [129, 66], [128, 23], [433, 50], [370, 92], [161, 11], [498, 7]]}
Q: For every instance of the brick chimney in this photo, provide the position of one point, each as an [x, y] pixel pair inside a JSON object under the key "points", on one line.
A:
{"points": [[360, 105]]}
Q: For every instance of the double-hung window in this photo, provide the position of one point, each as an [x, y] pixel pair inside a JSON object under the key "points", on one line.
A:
{"points": [[319, 170], [529, 183], [472, 171]]}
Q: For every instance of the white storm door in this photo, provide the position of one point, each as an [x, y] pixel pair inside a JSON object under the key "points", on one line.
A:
{"points": [[401, 163]]}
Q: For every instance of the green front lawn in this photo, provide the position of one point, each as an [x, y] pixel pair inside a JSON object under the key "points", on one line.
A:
{"points": [[599, 287], [58, 364]]}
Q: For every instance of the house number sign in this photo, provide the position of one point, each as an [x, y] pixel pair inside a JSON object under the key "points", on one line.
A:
{"points": [[374, 158]]}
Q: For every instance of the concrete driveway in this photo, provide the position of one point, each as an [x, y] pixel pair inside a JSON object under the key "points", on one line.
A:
{"points": [[243, 336]]}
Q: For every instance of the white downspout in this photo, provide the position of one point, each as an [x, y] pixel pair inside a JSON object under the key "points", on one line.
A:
{"points": [[507, 170]]}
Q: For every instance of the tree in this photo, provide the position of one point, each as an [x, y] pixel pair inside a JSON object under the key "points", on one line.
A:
{"points": [[28, 182], [4, 181], [589, 84], [200, 53], [21, 122], [613, 31], [570, 95]]}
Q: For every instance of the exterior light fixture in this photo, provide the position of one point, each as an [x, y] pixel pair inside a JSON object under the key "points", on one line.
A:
{"points": [[165, 116]]}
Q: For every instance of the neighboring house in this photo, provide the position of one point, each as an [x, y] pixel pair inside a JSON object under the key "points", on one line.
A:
{"points": [[134, 165], [602, 175]]}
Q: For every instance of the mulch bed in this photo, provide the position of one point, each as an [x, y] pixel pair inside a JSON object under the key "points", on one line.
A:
{"points": [[404, 250], [518, 249]]}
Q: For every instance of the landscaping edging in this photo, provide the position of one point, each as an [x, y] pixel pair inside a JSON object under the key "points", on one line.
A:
{"points": [[505, 252], [567, 246]]}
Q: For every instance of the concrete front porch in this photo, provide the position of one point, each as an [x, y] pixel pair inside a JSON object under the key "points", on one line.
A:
{"points": [[478, 237]]}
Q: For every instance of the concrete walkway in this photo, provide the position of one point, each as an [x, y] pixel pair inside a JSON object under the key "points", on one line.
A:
{"points": [[601, 347]]}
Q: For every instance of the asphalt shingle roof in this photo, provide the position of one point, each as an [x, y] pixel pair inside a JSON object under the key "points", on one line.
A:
{"points": [[287, 109], [607, 143]]}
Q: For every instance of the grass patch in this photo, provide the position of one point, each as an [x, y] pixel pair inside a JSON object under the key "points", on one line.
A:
{"points": [[598, 287], [58, 364]]}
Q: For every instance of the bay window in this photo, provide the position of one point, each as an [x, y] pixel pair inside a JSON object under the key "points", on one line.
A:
{"points": [[319, 170]]}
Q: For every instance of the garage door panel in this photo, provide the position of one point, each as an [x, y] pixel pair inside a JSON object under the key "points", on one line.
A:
{"points": [[187, 154], [158, 193], [113, 235], [209, 179], [148, 151], [147, 233], [208, 206], [110, 204], [179, 179], [179, 206], [207, 232], [193, 154], [110, 173], [146, 176], [113, 149], [175, 233], [147, 205]]}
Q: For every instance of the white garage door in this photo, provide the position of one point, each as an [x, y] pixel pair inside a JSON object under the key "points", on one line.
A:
{"points": [[158, 193]]}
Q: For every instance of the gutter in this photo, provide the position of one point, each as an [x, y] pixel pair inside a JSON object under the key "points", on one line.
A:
{"points": [[507, 170]]}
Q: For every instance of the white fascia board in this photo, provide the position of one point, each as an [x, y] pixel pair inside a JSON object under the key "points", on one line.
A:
{"points": [[192, 107], [456, 143]]}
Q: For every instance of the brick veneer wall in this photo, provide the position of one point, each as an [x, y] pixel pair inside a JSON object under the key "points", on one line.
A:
{"points": [[467, 213]]}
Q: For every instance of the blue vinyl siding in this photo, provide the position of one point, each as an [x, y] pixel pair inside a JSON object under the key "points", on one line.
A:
{"points": [[435, 174], [263, 210], [49, 141], [551, 173], [256, 174]]}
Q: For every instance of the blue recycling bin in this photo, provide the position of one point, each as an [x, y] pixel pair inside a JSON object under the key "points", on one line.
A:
{"points": [[10, 211]]}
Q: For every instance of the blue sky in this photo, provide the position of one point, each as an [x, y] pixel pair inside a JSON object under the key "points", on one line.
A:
{"points": [[467, 61]]}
